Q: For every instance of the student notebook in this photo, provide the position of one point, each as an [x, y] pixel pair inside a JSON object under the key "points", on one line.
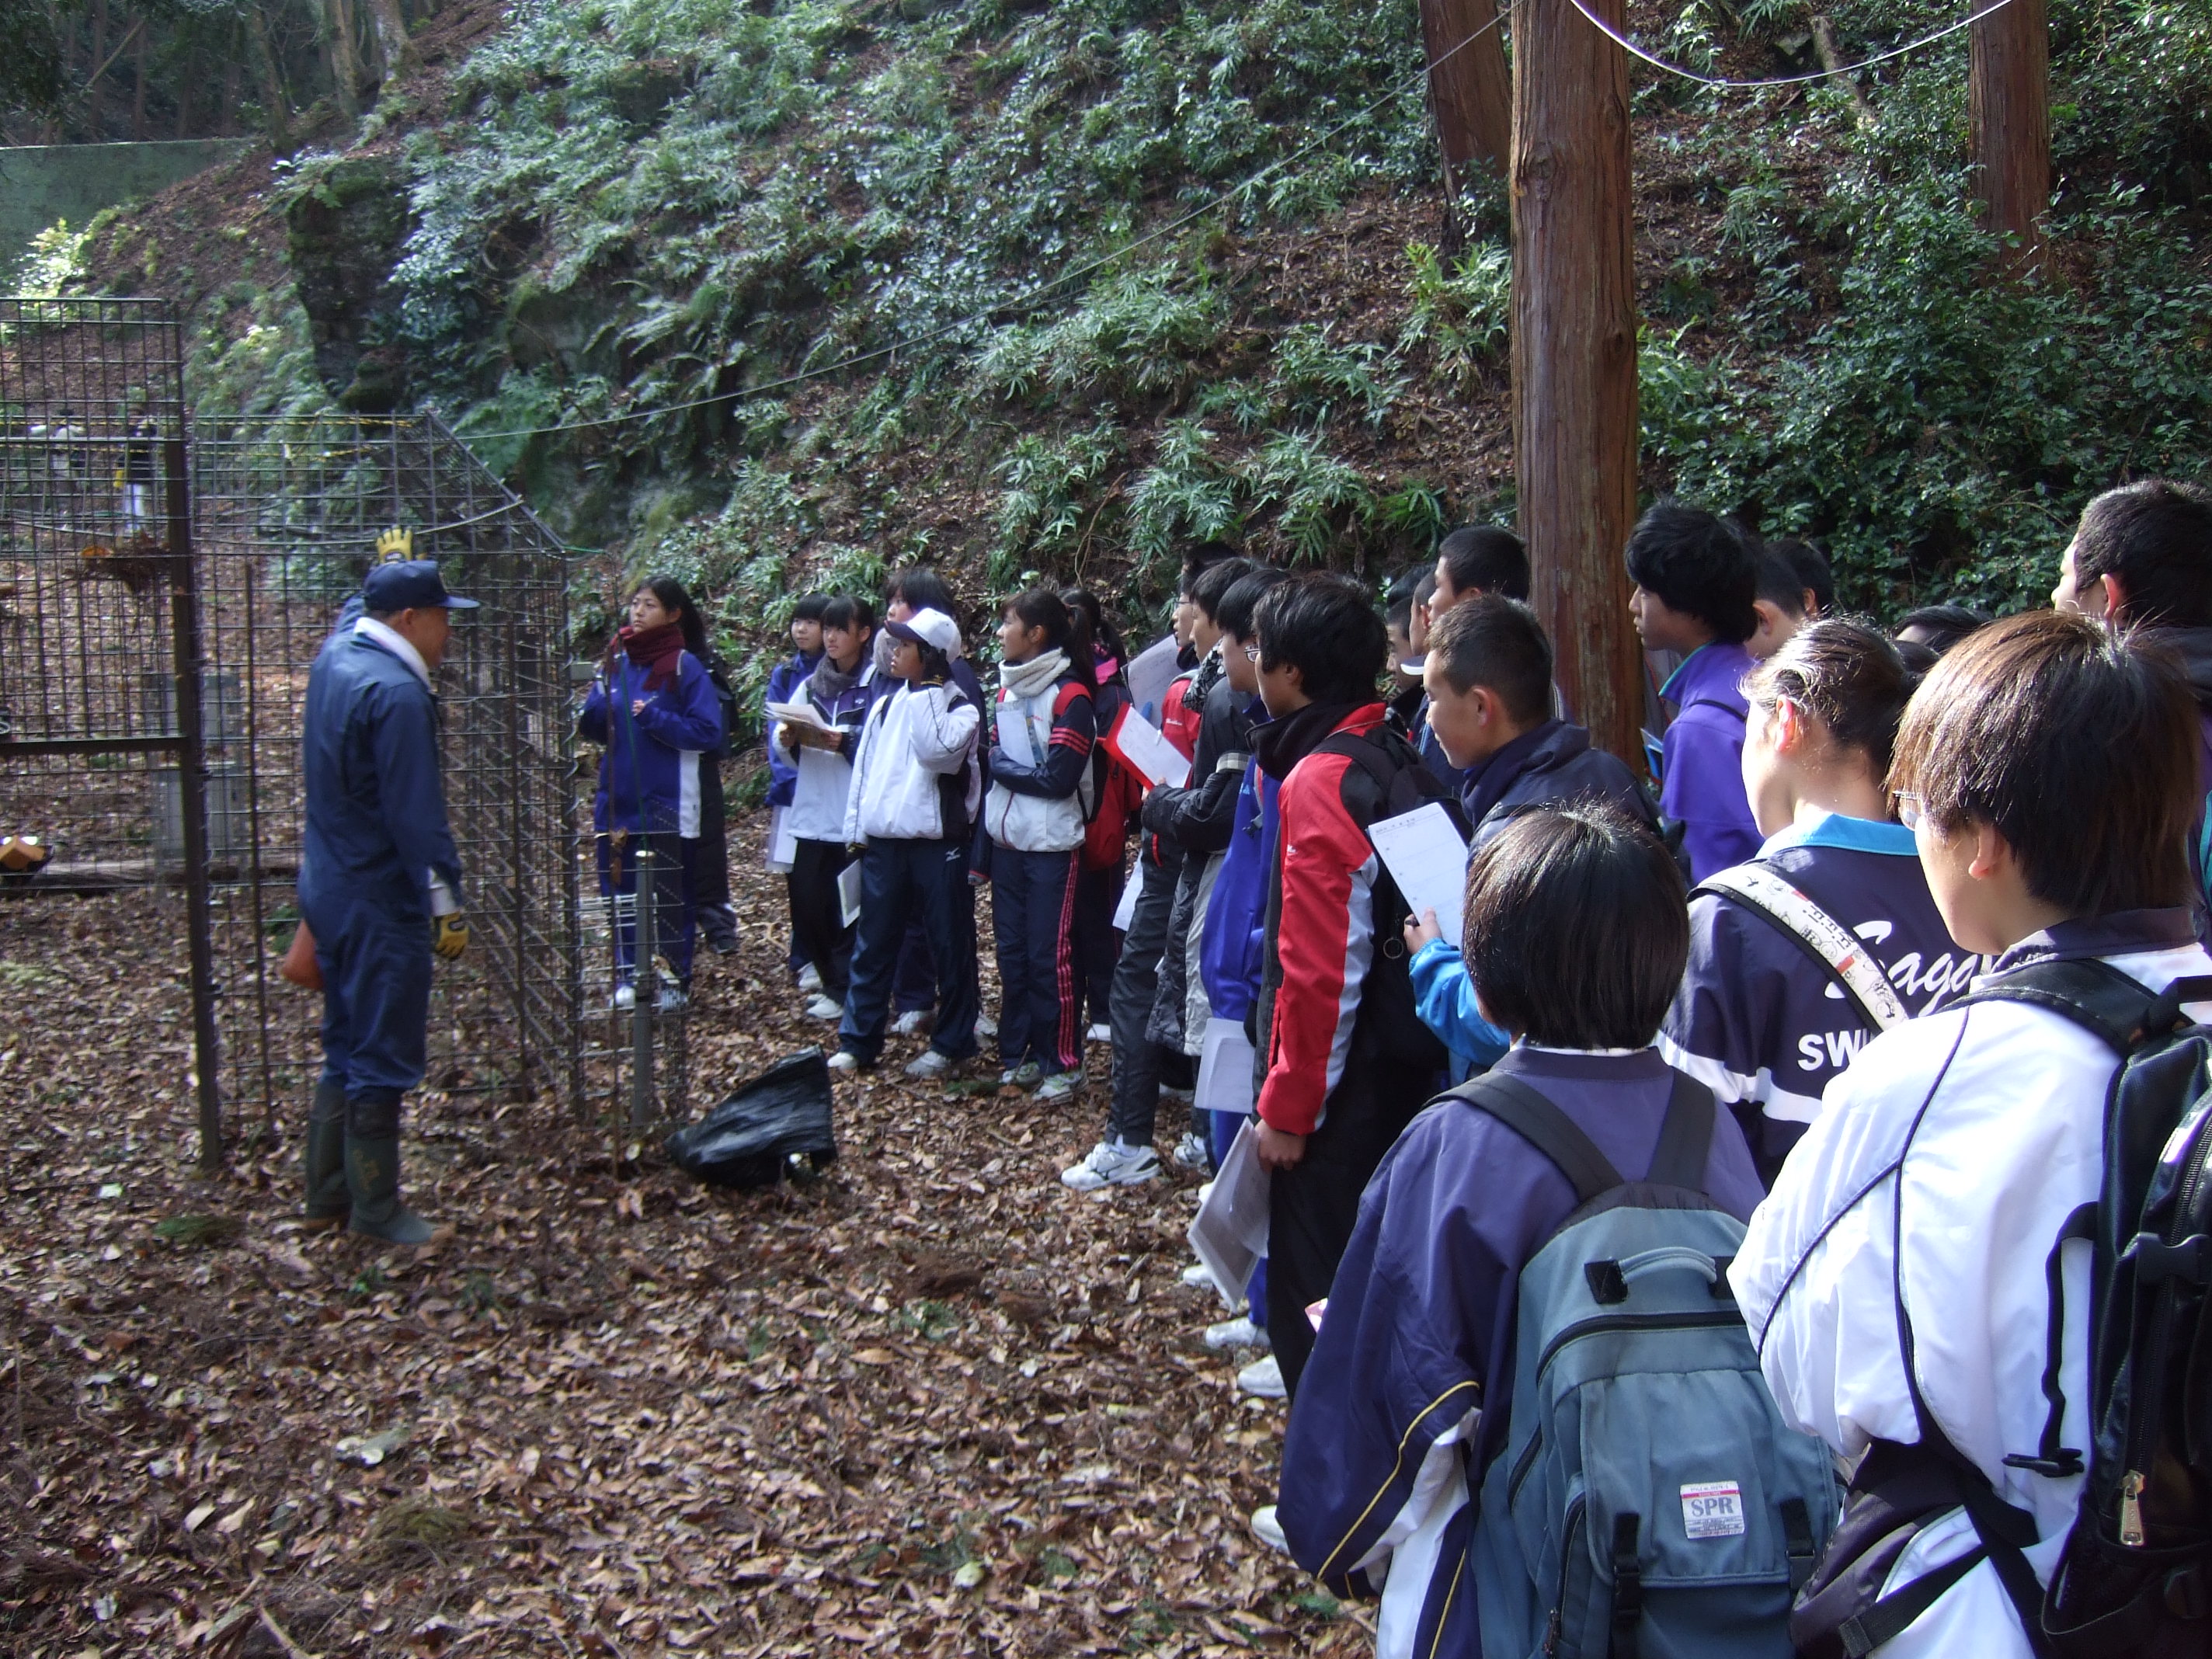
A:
{"points": [[849, 894], [1427, 856], [1230, 1232]]}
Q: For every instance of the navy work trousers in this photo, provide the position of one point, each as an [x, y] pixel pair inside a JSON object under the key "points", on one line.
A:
{"points": [[375, 964], [1032, 915], [903, 884]]}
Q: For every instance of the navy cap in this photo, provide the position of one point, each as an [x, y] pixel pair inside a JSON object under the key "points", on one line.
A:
{"points": [[410, 585]]}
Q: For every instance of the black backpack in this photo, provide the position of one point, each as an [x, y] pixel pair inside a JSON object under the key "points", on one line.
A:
{"points": [[2135, 1579]]}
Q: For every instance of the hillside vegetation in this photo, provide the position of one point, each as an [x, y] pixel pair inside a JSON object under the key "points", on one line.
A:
{"points": [[1091, 347]]}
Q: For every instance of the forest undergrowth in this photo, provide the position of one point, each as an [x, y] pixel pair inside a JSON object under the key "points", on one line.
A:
{"points": [[933, 1402]]}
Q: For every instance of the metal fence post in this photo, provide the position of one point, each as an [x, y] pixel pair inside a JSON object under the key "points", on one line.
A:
{"points": [[191, 792]]}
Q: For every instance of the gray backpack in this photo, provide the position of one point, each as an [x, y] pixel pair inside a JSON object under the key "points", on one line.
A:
{"points": [[1649, 1501]]}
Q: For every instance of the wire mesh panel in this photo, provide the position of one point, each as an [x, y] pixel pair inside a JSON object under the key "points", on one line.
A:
{"points": [[288, 517], [91, 396], [164, 590]]}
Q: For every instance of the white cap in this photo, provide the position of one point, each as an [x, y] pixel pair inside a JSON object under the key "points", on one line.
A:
{"points": [[930, 627]]}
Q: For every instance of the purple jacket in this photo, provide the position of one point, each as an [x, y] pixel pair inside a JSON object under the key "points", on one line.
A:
{"points": [[1702, 787], [1424, 1303]]}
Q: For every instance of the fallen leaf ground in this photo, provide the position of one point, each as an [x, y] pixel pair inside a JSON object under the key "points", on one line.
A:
{"points": [[933, 1402]]}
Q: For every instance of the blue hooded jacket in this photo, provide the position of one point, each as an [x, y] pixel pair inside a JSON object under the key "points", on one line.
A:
{"points": [[649, 777], [1233, 951], [376, 827]]}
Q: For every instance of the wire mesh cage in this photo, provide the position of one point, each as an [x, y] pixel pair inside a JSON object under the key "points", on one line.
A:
{"points": [[164, 590], [288, 515]]}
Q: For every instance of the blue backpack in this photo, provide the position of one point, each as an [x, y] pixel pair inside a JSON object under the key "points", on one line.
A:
{"points": [[1649, 1502]]}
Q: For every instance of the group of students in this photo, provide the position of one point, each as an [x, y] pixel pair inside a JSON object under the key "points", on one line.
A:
{"points": [[1881, 874], [1859, 842]]}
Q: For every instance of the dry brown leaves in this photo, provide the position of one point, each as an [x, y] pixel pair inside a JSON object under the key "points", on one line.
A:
{"points": [[932, 1403]]}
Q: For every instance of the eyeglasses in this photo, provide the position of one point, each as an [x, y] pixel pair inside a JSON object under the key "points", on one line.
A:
{"points": [[1908, 809], [1251, 654]]}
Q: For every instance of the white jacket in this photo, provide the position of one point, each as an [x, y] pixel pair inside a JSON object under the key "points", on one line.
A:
{"points": [[916, 737], [1971, 1135]]}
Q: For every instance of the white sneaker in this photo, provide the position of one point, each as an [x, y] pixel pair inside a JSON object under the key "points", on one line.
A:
{"points": [[819, 1006], [930, 1064], [810, 978], [670, 998], [915, 1022], [845, 1062], [1099, 1034], [1204, 1192], [1186, 1096], [624, 998], [1109, 1164], [1062, 1085], [1238, 1332], [1191, 1151], [1198, 1276], [1268, 1531], [986, 1027], [1263, 1378]]}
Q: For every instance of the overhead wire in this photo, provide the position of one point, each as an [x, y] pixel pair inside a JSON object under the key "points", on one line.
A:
{"points": [[1723, 84], [1028, 301]]}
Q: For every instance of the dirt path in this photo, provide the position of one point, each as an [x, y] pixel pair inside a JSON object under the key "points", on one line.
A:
{"points": [[934, 1402]]}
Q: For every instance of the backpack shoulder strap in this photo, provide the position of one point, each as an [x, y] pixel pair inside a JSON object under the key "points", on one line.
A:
{"points": [[1793, 913], [1685, 1136], [2094, 995], [1549, 1130]]}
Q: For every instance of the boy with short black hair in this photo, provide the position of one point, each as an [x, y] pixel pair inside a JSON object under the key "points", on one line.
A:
{"points": [[1696, 584], [1478, 558], [1489, 675], [1779, 603], [1919, 1281], [1343, 1061], [1576, 927], [1816, 581]]}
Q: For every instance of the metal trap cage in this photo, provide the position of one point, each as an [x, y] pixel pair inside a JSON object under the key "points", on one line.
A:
{"points": [[164, 590]]}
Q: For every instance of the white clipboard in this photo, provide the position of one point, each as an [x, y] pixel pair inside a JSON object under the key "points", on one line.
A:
{"points": [[849, 894], [1427, 856], [782, 842], [1224, 1069]]}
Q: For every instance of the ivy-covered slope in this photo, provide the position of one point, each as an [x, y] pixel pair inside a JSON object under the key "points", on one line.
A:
{"points": [[619, 208]]}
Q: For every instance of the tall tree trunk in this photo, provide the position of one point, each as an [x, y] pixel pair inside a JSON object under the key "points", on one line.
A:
{"points": [[2009, 103], [1468, 85], [1574, 353], [188, 69], [95, 104], [345, 61], [276, 108], [226, 122], [395, 48], [138, 86]]}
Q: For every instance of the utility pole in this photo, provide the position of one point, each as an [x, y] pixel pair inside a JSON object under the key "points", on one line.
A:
{"points": [[2009, 103], [1468, 85], [1574, 354]]}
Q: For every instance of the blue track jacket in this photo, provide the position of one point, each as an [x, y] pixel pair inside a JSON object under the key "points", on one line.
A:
{"points": [[649, 776], [376, 805], [783, 683]]}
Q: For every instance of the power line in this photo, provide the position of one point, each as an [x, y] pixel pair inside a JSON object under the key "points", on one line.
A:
{"points": [[1022, 302], [1721, 83]]}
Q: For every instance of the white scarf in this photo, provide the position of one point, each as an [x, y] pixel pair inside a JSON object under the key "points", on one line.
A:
{"points": [[1024, 680], [396, 643]]}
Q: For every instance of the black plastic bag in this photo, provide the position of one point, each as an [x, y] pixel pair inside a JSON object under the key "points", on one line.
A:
{"points": [[780, 1118]]}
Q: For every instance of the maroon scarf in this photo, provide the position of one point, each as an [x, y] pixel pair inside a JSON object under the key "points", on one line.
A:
{"points": [[659, 651]]}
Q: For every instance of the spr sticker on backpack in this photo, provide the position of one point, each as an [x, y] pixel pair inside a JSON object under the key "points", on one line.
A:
{"points": [[1714, 1509]]}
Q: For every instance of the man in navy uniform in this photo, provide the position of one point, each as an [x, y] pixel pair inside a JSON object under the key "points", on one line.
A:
{"points": [[380, 888]]}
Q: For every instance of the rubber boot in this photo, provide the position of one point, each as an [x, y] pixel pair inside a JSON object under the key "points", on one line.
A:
{"points": [[372, 1167], [328, 1201]]}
